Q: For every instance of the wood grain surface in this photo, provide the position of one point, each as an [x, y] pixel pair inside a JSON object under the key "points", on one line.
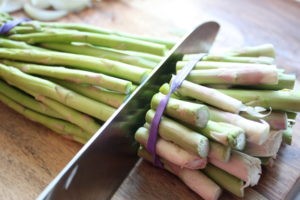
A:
{"points": [[31, 155]]}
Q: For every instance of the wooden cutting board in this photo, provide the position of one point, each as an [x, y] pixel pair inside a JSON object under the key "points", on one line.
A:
{"points": [[31, 155]]}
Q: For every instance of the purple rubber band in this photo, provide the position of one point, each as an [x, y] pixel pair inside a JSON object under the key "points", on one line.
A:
{"points": [[7, 26], [176, 82]]}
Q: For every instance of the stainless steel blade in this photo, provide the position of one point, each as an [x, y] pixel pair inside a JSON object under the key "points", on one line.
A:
{"points": [[99, 168]]}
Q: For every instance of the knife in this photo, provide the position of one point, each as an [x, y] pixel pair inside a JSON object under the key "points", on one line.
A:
{"points": [[101, 165]]}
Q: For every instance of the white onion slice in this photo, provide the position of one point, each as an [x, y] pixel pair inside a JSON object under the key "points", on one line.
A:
{"points": [[44, 15], [11, 5], [41, 3], [74, 5]]}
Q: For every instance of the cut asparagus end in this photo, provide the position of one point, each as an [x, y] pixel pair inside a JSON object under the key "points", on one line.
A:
{"points": [[225, 180], [190, 113], [219, 152], [171, 152], [184, 137]]}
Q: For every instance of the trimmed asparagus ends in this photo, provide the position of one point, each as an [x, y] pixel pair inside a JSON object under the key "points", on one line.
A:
{"points": [[241, 165], [171, 152], [190, 113], [194, 179], [256, 132], [225, 180], [269, 148], [184, 137]]}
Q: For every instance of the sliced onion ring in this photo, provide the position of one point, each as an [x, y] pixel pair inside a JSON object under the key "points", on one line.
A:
{"points": [[44, 15]]}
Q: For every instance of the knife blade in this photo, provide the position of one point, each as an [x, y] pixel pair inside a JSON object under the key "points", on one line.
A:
{"points": [[101, 165]]}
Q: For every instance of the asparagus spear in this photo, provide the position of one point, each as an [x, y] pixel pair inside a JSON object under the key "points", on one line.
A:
{"points": [[224, 133], [74, 75], [112, 41], [59, 126], [147, 56], [223, 65], [287, 135], [256, 132], [254, 51], [190, 113], [255, 54], [210, 96], [26, 100], [236, 76], [101, 52], [285, 81], [93, 29], [171, 152], [268, 149], [286, 100], [243, 166], [219, 152], [49, 89], [105, 96], [17, 44], [232, 59], [194, 179], [82, 120], [276, 119], [89, 63], [225, 180], [182, 136]]}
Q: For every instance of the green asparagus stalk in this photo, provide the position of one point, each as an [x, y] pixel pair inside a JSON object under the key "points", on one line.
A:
{"points": [[219, 152], [84, 121], [224, 133], [232, 59], [171, 152], [236, 76], [49, 89], [59, 126], [93, 29], [147, 56], [101, 52], [242, 166], [89, 63], [111, 41], [225, 180], [287, 135], [74, 75], [194, 179], [17, 45], [224, 65], [99, 94], [210, 96], [256, 132], [286, 100], [184, 137], [26, 100], [285, 81], [266, 50], [191, 113], [268, 149]]}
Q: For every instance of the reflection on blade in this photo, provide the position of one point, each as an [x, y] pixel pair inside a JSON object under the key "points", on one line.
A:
{"points": [[103, 163]]}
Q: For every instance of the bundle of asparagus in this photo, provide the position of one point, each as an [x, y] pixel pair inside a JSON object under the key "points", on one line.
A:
{"points": [[217, 135], [72, 77]]}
